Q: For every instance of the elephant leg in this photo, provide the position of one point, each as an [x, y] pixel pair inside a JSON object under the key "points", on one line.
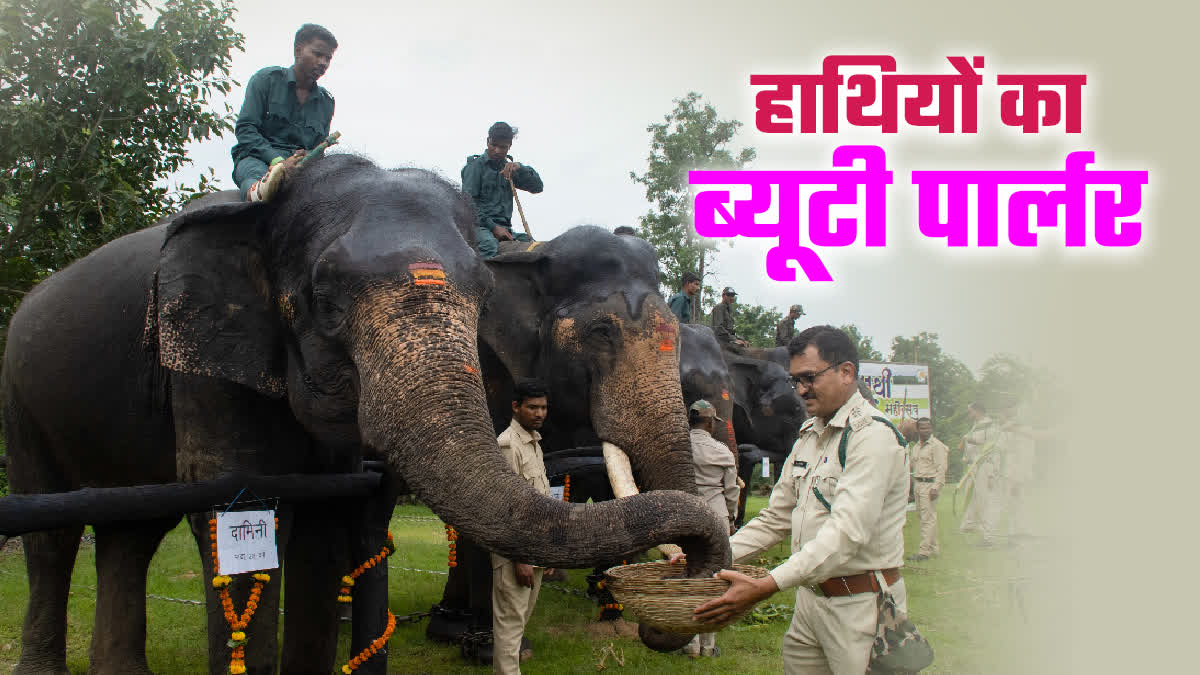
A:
{"points": [[123, 554], [479, 580], [368, 538], [262, 643], [449, 618], [49, 560], [318, 558]]}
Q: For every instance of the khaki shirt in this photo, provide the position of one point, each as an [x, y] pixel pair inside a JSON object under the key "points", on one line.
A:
{"points": [[524, 455], [716, 474], [973, 443], [856, 524], [929, 460]]}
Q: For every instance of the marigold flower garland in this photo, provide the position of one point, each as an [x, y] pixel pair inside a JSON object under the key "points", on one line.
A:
{"points": [[451, 538], [237, 624], [389, 547], [567, 488]]}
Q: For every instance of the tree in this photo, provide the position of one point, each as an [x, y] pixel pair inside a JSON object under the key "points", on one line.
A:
{"points": [[691, 137], [96, 109], [866, 349], [756, 323]]}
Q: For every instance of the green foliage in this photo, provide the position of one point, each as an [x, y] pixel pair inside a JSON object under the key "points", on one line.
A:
{"points": [[952, 387], [96, 109], [756, 323], [866, 350], [691, 137]]}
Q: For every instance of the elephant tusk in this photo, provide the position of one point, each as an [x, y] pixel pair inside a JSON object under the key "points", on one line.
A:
{"points": [[620, 476]]}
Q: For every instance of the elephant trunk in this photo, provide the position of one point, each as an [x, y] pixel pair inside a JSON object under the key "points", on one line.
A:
{"points": [[638, 406], [422, 406]]}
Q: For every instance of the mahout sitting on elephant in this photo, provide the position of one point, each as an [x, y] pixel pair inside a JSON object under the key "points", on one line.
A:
{"points": [[582, 312], [292, 337]]}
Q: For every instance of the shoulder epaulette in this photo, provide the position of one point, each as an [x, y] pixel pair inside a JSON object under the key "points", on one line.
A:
{"points": [[845, 442]]}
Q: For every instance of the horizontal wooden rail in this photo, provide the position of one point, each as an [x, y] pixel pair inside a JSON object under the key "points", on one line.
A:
{"points": [[33, 512]]}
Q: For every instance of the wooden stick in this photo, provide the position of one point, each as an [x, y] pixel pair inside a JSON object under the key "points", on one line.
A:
{"points": [[519, 209]]}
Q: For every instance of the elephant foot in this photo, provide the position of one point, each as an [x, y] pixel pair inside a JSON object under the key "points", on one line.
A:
{"points": [[23, 668], [477, 647], [447, 625], [662, 641]]}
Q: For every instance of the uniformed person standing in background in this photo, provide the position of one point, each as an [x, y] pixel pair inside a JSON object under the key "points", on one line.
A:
{"points": [[716, 484], [973, 444], [930, 457], [785, 330], [846, 520], [515, 585]]}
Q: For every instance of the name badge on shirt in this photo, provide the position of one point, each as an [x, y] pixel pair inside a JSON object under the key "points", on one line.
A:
{"points": [[800, 468]]}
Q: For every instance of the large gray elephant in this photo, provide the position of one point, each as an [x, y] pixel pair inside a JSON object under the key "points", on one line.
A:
{"points": [[582, 312], [288, 337]]}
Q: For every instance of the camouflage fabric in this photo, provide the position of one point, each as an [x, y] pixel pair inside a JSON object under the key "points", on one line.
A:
{"points": [[899, 646]]}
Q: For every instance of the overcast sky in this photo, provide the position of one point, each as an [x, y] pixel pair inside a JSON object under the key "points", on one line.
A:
{"points": [[418, 84]]}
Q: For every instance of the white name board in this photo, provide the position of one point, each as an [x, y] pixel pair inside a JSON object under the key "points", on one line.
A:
{"points": [[246, 541], [556, 492]]}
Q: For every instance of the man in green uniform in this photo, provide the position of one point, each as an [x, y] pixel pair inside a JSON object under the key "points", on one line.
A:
{"points": [[681, 302], [722, 322], [485, 178], [285, 113], [786, 329]]}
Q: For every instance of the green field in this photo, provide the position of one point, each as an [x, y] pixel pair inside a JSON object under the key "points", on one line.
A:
{"points": [[968, 603]]}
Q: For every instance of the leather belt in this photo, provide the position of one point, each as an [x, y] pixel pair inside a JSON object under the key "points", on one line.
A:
{"points": [[922, 479], [854, 584]]}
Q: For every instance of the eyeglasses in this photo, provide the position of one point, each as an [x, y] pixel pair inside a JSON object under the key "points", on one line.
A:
{"points": [[807, 379]]}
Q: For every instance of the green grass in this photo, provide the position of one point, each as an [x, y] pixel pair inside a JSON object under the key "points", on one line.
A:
{"points": [[963, 602]]}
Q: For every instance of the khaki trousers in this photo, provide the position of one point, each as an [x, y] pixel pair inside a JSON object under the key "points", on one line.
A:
{"points": [[833, 635], [512, 605], [927, 510]]}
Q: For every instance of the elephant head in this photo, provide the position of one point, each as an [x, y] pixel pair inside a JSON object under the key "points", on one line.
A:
{"points": [[355, 296], [767, 411], [704, 375], [582, 312]]}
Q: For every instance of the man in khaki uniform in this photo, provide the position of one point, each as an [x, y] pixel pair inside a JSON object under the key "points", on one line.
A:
{"points": [[930, 457], [515, 585], [716, 484], [846, 520], [973, 445]]}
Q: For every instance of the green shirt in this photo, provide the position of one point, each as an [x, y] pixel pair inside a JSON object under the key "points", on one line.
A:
{"points": [[490, 191], [722, 323], [784, 331], [681, 306], [272, 122]]}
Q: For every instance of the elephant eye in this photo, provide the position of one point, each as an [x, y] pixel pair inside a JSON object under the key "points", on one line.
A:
{"points": [[330, 315], [602, 330]]}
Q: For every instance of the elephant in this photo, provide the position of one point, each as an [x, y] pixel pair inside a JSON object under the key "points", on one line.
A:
{"points": [[767, 415], [295, 336], [582, 312]]}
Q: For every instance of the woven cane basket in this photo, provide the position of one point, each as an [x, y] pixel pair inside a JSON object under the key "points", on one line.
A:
{"points": [[656, 595]]}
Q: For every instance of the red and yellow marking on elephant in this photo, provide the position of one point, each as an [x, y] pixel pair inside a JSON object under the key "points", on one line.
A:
{"points": [[427, 274]]}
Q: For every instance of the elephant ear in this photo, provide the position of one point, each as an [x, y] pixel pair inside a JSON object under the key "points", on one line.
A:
{"points": [[510, 322], [215, 315]]}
